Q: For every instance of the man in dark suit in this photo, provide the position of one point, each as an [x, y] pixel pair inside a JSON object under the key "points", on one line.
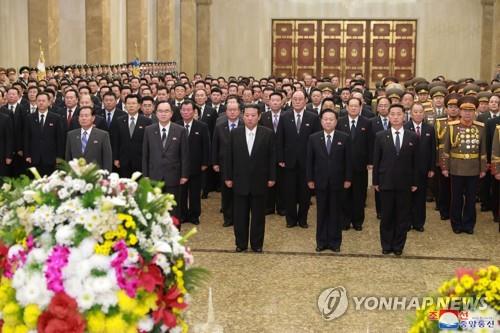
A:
{"points": [[110, 112], [43, 137], [293, 133], [128, 134], [366, 110], [89, 142], [216, 98], [199, 145], [165, 153], [17, 114], [219, 147], [208, 116], [395, 176], [379, 123], [6, 145], [250, 170], [329, 171], [359, 130], [69, 113], [270, 119], [426, 159], [491, 127], [148, 108]]}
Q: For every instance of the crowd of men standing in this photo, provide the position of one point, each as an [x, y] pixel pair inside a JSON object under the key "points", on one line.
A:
{"points": [[267, 145]]}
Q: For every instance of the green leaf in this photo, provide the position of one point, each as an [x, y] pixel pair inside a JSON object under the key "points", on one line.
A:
{"points": [[195, 278], [80, 234]]}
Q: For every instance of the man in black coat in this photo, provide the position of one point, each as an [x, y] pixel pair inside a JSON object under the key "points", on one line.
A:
{"points": [[17, 114], [426, 159], [43, 137], [329, 171], [395, 176], [6, 144], [249, 171], [359, 130], [199, 146], [379, 123], [490, 129], [218, 152], [128, 135], [294, 130], [271, 119], [70, 110]]}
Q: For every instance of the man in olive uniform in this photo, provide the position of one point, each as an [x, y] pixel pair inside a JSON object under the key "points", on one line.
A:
{"points": [[422, 91], [464, 161], [443, 183]]}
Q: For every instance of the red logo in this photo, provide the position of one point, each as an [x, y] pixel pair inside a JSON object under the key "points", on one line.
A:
{"points": [[433, 315]]}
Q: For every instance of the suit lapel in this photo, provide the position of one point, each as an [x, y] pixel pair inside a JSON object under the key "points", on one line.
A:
{"points": [[89, 141], [323, 144], [169, 137]]}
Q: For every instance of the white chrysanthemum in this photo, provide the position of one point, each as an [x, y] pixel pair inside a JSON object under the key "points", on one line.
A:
{"points": [[78, 185], [29, 196], [33, 291], [146, 324], [162, 262], [63, 193], [65, 234], [44, 217], [14, 250]]}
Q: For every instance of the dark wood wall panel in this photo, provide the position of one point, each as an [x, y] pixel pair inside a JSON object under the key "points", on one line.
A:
{"points": [[377, 48]]}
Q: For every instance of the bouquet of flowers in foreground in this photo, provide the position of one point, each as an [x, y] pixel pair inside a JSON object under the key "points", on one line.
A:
{"points": [[477, 294], [85, 251]]}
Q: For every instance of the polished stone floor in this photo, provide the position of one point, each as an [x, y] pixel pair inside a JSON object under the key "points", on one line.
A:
{"points": [[277, 291]]}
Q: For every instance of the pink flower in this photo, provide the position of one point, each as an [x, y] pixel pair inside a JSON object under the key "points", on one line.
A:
{"points": [[57, 260], [126, 276]]}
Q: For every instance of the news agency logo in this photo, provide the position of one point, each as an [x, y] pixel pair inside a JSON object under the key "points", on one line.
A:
{"points": [[333, 303]]}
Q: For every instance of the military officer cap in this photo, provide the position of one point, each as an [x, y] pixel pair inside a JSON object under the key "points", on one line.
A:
{"points": [[436, 84], [418, 80], [325, 86], [483, 85], [468, 103], [422, 87], [33, 69], [495, 88], [459, 87], [408, 83], [389, 79], [471, 89], [57, 68], [484, 96], [24, 68], [394, 92], [438, 91], [466, 80], [451, 99]]}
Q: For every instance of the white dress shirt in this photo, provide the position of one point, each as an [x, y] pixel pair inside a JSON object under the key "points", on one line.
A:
{"points": [[86, 130], [401, 133], [250, 135], [355, 121], [167, 128], [190, 124]]}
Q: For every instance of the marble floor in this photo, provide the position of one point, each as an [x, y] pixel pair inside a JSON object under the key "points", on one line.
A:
{"points": [[277, 291]]}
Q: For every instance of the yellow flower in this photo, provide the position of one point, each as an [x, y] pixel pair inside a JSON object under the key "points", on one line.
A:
{"points": [[102, 249], [126, 303], [96, 322], [115, 324], [11, 314], [109, 235], [130, 224], [7, 293], [8, 329], [132, 239], [467, 281], [31, 314], [21, 329]]}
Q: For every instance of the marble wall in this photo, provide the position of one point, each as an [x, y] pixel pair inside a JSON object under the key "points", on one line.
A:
{"points": [[448, 37], [14, 33]]}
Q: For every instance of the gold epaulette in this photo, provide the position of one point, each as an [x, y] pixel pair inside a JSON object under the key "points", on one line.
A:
{"points": [[498, 127], [478, 123], [454, 122]]}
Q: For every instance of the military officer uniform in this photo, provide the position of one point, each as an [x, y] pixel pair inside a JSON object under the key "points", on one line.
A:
{"points": [[423, 88], [464, 159]]}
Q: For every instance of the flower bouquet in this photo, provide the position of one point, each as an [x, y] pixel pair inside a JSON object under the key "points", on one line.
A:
{"points": [[477, 292], [85, 251]]}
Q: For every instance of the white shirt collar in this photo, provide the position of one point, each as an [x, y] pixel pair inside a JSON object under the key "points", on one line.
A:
{"points": [[326, 135], [190, 123], [248, 131], [229, 122], [401, 132], [135, 117], [415, 125], [88, 131], [297, 113], [164, 127], [355, 120]]}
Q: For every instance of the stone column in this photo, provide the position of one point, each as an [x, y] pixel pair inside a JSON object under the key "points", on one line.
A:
{"points": [[188, 37], [203, 36], [495, 58], [43, 21], [137, 30], [97, 31], [486, 65], [165, 30]]}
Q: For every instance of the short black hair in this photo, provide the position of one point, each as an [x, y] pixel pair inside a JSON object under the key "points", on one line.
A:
{"points": [[275, 93], [251, 106], [397, 105], [355, 98], [92, 111], [130, 96], [43, 93], [328, 110], [148, 98], [109, 93]]}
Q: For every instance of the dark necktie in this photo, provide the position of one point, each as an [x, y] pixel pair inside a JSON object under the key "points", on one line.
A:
{"points": [[328, 143], [353, 128], [275, 123], [298, 123], [164, 137], [385, 124], [108, 121], [69, 117], [187, 128], [418, 131], [398, 143], [233, 125], [84, 141], [41, 122]]}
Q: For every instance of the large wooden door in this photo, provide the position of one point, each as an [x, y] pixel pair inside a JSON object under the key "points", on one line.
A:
{"points": [[376, 48]]}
